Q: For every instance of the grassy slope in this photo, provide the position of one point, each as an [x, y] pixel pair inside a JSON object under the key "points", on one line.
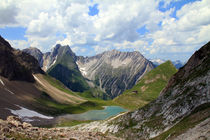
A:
{"points": [[53, 107], [148, 88], [59, 85]]}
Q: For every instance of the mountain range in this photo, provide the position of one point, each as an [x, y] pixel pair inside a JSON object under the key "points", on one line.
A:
{"points": [[109, 73]]}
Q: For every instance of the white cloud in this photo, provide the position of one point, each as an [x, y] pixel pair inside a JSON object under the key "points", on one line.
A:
{"points": [[185, 34], [99, 49], [19, 44], [64, 42], [67, 22], [8, 13]]}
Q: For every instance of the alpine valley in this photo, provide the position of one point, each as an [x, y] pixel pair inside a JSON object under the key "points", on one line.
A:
{"points": [[44, 95]]}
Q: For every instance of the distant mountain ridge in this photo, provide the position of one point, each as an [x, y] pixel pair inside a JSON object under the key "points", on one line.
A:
{"points": [[178, 64]]}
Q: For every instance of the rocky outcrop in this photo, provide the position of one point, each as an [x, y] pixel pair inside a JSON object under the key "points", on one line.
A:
{"points": [[114, 71], [15, 64], [13, 128]]}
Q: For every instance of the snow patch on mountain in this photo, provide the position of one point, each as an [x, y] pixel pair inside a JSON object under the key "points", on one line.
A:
{"points": [[25, 113], [82, 70]]}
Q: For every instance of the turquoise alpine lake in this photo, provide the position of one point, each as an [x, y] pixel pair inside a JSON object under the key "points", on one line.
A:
{"points": [[107, 112]]}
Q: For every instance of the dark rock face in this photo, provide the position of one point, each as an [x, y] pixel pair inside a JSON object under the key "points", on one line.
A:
{"points": [[17, 65], [114, 71], [187, 91]]}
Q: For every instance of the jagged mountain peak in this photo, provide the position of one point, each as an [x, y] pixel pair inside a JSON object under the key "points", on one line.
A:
{"points": [[62, 50]]}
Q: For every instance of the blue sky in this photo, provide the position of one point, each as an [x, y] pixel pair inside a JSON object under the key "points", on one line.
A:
{"points": [[165, 29]]}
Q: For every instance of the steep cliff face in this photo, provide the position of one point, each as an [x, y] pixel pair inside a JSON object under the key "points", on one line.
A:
{"points": [[17, 65], [185, 100], [114, 71]]}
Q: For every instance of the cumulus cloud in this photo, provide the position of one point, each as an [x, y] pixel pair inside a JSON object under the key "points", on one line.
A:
{"points": [[8, 13], [186, 33], [115, 26], [19, 44]]}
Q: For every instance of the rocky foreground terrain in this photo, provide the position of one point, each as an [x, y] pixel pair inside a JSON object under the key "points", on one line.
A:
{"points": [[13, 128]]}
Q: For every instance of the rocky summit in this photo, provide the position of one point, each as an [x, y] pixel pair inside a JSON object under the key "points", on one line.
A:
{"points": [[13, 128], [114, 71]]}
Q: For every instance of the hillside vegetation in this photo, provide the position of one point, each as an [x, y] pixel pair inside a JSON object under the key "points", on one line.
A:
{"points": [[148, 88]]}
